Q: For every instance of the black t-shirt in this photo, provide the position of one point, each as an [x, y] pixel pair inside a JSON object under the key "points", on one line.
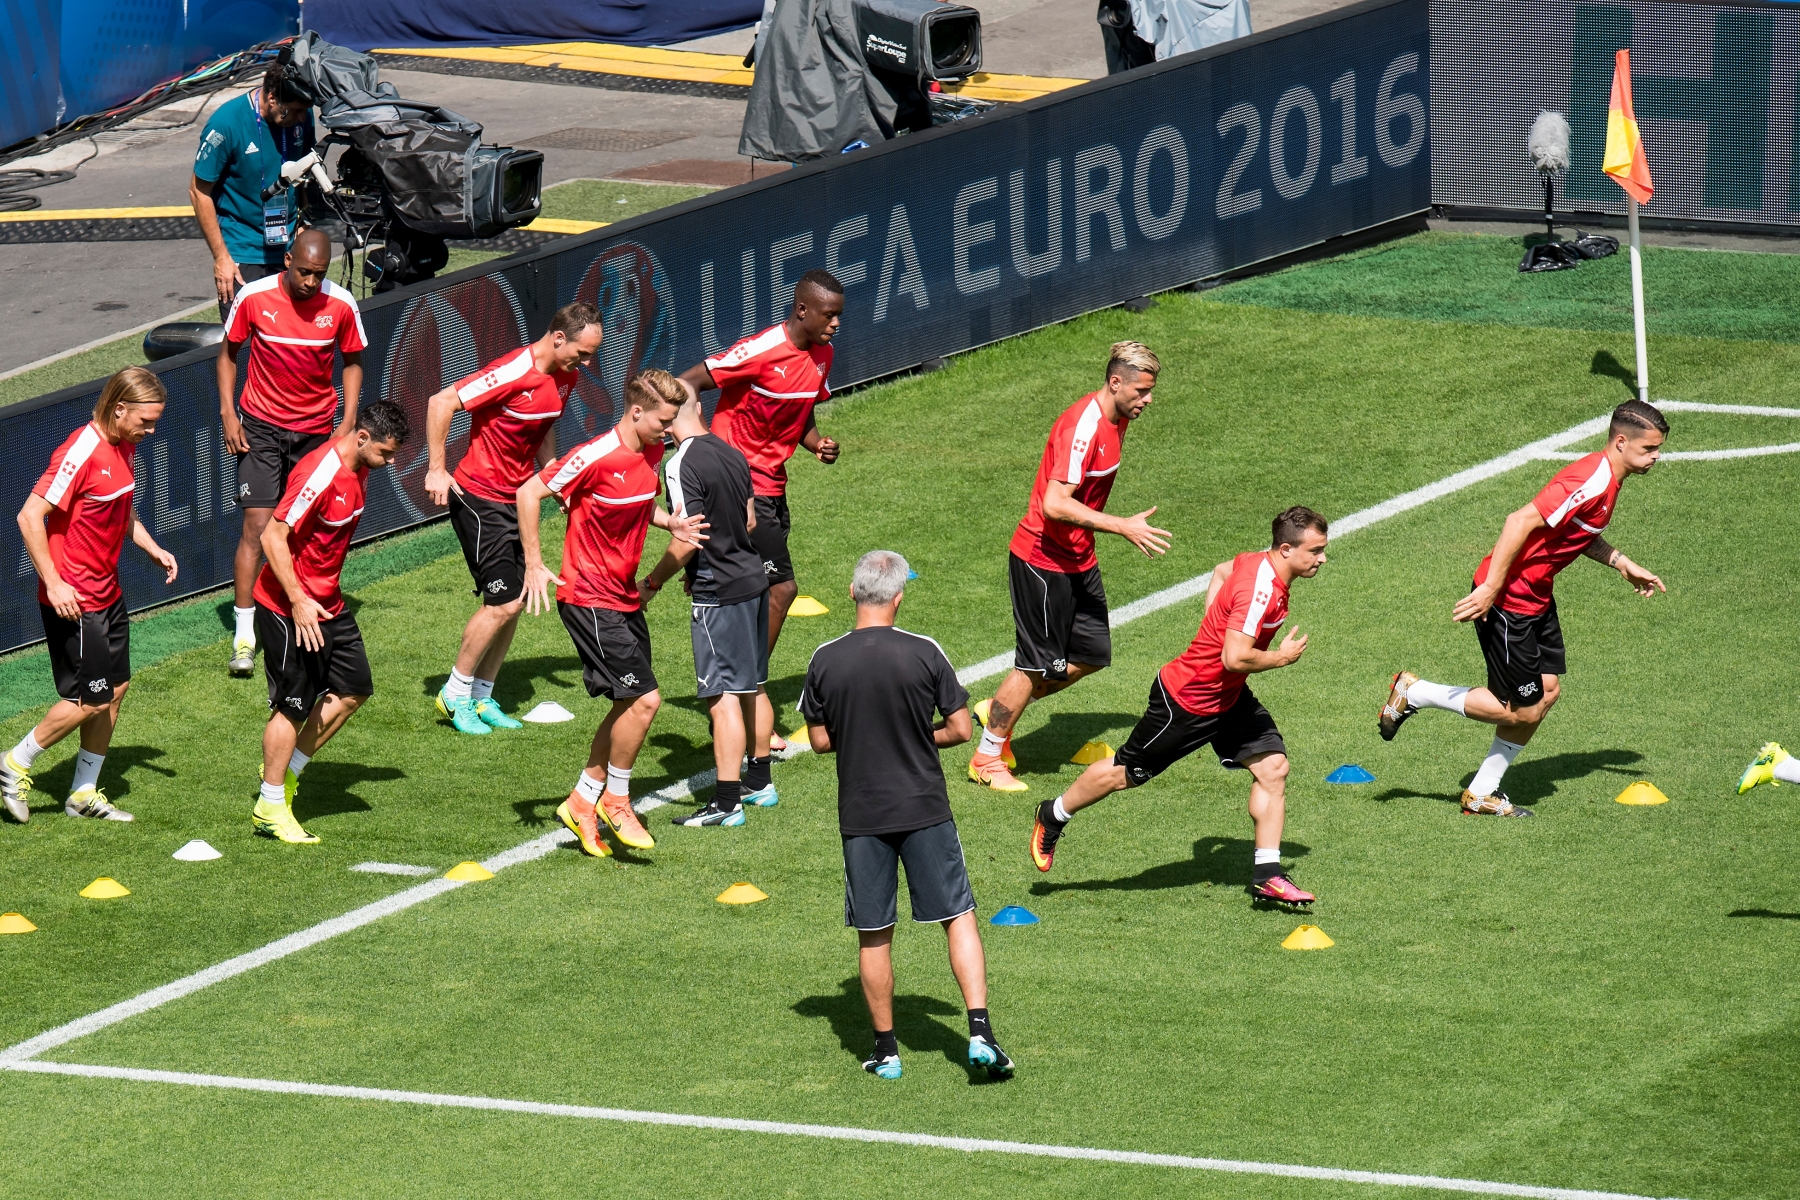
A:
{"points": [[877, 691], [709, 475]]}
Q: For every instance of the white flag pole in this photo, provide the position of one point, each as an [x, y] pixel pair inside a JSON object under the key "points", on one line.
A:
{"points": [[1637, 303]]}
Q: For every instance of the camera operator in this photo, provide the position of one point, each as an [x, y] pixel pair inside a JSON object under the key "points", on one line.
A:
{"points": [[241, 152]]}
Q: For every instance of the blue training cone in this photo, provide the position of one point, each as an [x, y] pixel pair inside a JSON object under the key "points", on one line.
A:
{"points": [[1350, 773], [1012, 914]]}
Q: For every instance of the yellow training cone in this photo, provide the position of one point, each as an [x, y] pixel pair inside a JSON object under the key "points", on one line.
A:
{"points": [[806, 606], [14, 923], [105, 888], [1641, 793], [1091, 753], [468, 872], [742, 893], [1307, 937]]}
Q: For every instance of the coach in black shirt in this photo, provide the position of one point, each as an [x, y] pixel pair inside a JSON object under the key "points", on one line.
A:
{"points": [[730, 626], [872, 696]]}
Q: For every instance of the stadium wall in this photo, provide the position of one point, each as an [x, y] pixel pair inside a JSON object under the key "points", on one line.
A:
{"points": [[945, 241]]}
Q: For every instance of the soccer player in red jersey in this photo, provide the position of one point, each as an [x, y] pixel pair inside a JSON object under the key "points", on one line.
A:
{"points": [[1203, 696], [1514, 610], [85, 499], [608, 486], [313, 651], [294, 323], [514, 402], [1058, 599], [769, 386]]}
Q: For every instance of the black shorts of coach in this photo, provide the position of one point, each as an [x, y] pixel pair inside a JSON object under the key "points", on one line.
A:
{"points": [[262, 474], [489, 533], [1521, 650], [770, 537], [1058, 618], [1169, 733], [937, 878], [298, 676], [89, 658], [614, 648], [731, 647]]}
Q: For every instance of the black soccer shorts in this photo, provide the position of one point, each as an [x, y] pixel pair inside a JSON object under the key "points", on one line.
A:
{"points": [[770, 537], [1168, 733], [1058, 618], [489, 533], [731, 647], [614, 648], [298, 676], [937, 878], [262, 474], [91, 657], [1521, 650]]}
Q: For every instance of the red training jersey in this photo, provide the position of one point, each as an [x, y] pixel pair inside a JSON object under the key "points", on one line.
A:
{"points": [[512, 407], [291, 352], [1083, 450], [610, 493], [324, 500], [768, 388], [88, 484], [1253, 601], [1576, 505]]}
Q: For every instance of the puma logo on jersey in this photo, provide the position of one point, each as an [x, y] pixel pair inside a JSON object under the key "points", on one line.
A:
{"points": [[781, 371], [268, 314], [618, 474]]}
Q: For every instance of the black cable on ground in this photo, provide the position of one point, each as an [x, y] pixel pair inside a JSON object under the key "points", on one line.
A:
{"points": [[15, 183]]}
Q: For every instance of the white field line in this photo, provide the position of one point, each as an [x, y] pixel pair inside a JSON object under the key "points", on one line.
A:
{"points": [[840, 1133], [381, 868]]}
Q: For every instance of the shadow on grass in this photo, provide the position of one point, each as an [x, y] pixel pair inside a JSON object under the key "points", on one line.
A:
{"points": [[115, 777], [1605, 364], [1534, 780], [1766, 913], [326, 792], [519, 678], [915, 1025], [1216, 860], [1049, 746]]}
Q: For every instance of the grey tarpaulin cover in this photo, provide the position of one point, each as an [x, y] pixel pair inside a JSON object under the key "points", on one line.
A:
{"points": [[813, 95], [1183, 26]]}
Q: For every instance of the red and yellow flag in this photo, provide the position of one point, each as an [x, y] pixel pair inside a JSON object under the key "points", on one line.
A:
{"points": [[1625, 160]]}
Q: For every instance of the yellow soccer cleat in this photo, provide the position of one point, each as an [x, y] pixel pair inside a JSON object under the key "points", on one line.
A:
{"points": [[277, 821], [578, 816], [989, 771], [981, 711], [1762, 767], [625, 824]]}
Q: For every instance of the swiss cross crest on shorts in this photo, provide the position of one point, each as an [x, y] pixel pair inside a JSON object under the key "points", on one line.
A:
{"points": [[323, 320]]}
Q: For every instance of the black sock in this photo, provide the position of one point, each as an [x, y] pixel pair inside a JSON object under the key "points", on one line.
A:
{"points": [[886, 1044], [1266, 871], [727, 793], [756, 773], [1047, 814], [978, 1024]]}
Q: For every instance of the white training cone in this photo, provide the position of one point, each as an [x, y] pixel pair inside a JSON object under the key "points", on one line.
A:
{"points": [[548, 712], [196, 851]]}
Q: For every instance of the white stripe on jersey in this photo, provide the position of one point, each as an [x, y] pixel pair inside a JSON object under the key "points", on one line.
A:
{"points": [[287, 341], [1262, 594], [1103, 474], [317, 484], [1081, 439], [763, 391], [112, 495], [672, 473], [1594, 485], [749, 348], [523, 416], [507, 372], [78, 454], [625, 499], [337, 292], [580, 458]]}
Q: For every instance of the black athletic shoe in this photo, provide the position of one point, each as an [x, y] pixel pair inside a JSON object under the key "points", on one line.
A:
{"points": [[712, 814], [1045, 830], [986, 1052], [1396, 710]]}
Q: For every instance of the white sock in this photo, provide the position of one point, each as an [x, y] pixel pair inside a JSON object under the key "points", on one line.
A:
{"points": [[26, 751], [87, 771], [1425, 694], [618, 780], [481, 689], [1267, 854], [297, 762], [273, 793], [459, 686], [1059, 812], [991, 743], [246, 624], [1499, 757], [588, 787], [1788, 770]]}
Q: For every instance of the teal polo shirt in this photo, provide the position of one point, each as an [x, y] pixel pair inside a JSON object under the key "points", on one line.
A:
{"points": [[240, 153]]}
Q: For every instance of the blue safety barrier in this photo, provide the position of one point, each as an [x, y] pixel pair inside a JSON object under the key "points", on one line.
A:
{"points": [[368, 24], [944, 240]]}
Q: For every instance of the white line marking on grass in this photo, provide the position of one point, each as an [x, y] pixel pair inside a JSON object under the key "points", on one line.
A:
{"points": [[840, 1133], [1736, 410], [381, 868]]}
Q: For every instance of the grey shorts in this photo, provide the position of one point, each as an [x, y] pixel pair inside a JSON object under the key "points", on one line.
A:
{"points": [[937, 879], [731, 646]]}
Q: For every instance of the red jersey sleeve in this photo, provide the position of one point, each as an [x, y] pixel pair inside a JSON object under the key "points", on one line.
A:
{"points": [[237, 321], [1072, 446], [1555, 495], [570, 471], [63, 479], [496, 382], [299, 503], [352, 338]]}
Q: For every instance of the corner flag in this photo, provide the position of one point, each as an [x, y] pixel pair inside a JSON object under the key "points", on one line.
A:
{"points": [[1624, 159]]}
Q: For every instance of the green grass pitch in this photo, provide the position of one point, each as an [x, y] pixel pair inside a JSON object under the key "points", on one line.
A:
{"points": [[1601, 998]]}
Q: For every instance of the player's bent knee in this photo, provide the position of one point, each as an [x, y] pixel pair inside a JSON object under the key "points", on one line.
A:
{"points": [[1269, 769]]}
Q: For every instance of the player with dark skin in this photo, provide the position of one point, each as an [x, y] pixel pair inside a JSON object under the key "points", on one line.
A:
{"points": [[307, 264], [813, 321]]}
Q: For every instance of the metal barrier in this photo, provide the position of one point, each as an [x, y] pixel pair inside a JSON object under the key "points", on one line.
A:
{"points": [[945, 241]]}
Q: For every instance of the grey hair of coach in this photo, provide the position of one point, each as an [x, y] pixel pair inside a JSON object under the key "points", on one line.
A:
{"points": [[880, 576]]}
